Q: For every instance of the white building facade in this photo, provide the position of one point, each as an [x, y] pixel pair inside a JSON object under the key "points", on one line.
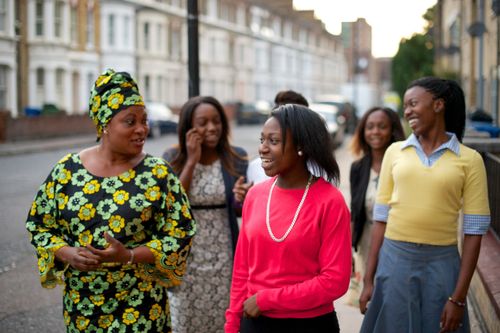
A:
{"points": [[8, 58], [248, 51]]}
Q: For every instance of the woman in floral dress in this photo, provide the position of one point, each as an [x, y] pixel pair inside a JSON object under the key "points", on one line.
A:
{"points": [[111, 223], [211, 172]]}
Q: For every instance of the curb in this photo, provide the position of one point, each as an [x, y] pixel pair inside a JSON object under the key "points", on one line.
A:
{"points": [[36, 146]]}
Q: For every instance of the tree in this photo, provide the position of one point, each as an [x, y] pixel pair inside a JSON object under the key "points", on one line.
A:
{"points": [[415, 57]]}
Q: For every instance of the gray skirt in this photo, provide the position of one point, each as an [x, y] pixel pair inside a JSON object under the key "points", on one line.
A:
{"points": [[412, 285]]}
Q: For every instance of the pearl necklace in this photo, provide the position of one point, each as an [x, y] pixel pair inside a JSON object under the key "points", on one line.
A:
{"points": [[274, 238]]}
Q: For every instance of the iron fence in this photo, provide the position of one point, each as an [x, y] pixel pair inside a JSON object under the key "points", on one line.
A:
{"points": [[492, 164]]}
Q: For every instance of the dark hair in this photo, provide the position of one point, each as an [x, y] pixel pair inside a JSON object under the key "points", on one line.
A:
{"points": [[310, 135], [224, 149], [289, 97], [454, 101], [359, 144]]}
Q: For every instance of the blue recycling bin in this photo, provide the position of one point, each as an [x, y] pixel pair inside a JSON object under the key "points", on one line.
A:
{"points": [[32, 111], [492, 130]]}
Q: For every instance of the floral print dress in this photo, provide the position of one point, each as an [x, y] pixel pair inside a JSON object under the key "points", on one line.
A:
{"points": [[144, 206], [199, 304]]}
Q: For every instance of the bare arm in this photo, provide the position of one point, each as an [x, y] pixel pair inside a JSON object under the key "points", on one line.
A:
{"points": [[193, 145], [187, 175], [377, 238], [452, 314]]}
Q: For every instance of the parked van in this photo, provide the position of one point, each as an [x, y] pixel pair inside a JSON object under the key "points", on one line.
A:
{"points": [[346, 109]]}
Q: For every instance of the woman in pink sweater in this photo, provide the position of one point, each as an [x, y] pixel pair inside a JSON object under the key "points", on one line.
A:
{"points": [[293, 257]]}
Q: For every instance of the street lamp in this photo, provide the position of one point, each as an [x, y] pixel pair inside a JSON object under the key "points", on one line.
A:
{"points": [[193, 53]]}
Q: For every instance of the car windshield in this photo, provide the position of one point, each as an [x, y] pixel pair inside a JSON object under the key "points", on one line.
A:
{"points": [[329, 116]]}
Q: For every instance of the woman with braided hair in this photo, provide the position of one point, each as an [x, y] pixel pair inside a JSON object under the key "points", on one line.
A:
{"points": [[415, 279]]}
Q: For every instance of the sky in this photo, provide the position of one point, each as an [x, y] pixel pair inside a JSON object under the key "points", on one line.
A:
{"points": [[390, 20]]}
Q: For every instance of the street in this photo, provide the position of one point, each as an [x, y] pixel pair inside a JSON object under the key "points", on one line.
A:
{"points": [[24, 305]]}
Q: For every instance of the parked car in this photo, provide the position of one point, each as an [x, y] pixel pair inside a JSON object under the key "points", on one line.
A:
{"points": [[335, 121], [346, 109], [252, 113], [161, 119]]}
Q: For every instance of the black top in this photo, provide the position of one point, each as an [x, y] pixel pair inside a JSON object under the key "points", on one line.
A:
{"points": [[359, 178]]}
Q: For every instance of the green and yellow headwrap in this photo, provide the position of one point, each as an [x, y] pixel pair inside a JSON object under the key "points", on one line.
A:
{"points": [[111, 93]]}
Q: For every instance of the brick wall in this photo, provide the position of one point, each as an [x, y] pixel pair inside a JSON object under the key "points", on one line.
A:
{"points": [[50, 126]]}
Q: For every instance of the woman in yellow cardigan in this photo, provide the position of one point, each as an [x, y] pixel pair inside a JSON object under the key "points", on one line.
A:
{"points": [[415, 279]]}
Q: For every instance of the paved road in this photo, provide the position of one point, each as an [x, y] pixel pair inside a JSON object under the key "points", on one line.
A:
{"points": [[24, 305]]}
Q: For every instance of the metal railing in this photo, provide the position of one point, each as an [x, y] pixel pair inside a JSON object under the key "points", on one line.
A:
{"points": [[492, 164]]}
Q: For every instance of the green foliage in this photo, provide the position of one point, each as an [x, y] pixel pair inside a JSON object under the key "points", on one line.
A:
{"points": [[415, 58]]}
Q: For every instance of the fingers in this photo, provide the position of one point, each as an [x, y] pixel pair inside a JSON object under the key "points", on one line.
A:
{"points": [[83, 260], [239, 181], [362, 306], [110, 239], [241, 188], [195, 135], [451, 318], [363, 303]]}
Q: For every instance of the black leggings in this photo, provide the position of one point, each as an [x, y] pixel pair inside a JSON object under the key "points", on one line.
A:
{"points": [[327, 323]]}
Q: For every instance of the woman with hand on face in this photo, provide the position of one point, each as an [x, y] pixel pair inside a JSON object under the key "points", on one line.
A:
{"points": [[112, 223], [211, 171], [415, 279], [378, 128], [294, 256]]}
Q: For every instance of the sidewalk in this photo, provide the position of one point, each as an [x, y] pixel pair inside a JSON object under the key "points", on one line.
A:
{"points": [[31, 146]]}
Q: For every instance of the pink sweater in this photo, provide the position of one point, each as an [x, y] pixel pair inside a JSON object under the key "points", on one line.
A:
{"points": [[301, 276]]}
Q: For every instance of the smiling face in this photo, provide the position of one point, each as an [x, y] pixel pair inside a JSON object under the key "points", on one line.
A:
{"points": [[422, 111], [127, 131], [207, 121], [275, 159], [378, 130]]}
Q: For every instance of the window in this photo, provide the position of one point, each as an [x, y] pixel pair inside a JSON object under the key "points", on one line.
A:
{"points": [[40, 86], [159, 37], [111, 30], [146, 36], [175, 44], [160, 88], [39, 18], [60, 84], [3, 15], [40, 77], [74, 24], [90, 28], [147, 87], [3, 86], [455, 33], [126, 28], [58, 18], [90, 80]]}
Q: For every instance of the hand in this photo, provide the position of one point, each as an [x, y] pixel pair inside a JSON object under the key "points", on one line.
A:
{"points": [[240, 189], [79, 258], [451, 317], [115, 252], [250, 307], [194, 139], [364, 298]]}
